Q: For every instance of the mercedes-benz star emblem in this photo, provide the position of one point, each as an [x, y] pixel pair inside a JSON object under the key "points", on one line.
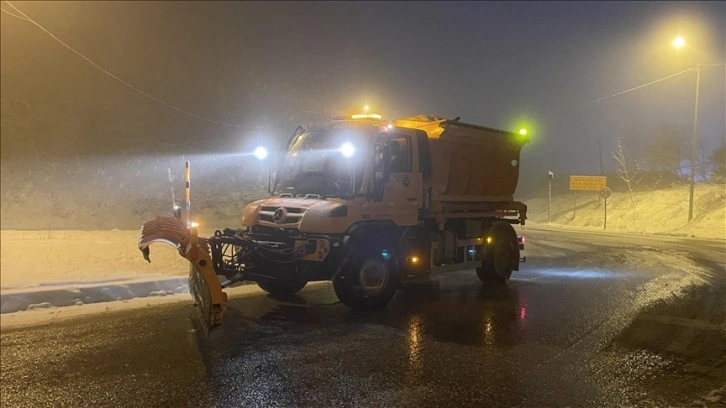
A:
{"points": [[279, 215]]}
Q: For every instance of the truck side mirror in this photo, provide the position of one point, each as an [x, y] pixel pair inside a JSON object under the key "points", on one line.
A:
{"points": [[270, 180], [424, 154], [273, 165]]}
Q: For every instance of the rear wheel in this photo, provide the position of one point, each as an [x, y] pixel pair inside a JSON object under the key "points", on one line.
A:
{"points": [[367, 284], [501, 256]]}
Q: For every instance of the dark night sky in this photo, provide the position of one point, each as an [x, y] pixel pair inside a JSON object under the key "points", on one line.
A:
{"points": [[270, 66]]}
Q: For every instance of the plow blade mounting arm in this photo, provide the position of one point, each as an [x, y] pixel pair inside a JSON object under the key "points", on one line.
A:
{"points": [[203, 282]]}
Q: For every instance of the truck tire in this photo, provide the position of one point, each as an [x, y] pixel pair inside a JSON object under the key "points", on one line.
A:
{"points": [[368, 283], [287, 283], [281, 289], [501, 258]]}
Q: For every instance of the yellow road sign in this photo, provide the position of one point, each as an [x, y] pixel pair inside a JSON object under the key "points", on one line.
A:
{"points": [[588, 183]]}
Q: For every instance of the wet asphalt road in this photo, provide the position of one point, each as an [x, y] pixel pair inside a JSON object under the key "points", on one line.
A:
{"points": [[589, 320]]}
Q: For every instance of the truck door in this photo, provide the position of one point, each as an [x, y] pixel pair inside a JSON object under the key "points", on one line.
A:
{"points": [[403, 190]]}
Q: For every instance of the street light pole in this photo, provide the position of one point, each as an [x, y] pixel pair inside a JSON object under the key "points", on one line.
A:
{"points": [[693, 145], [549, 197], [678, 43]]}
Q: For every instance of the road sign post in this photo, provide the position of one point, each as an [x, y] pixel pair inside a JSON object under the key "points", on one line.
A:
{"points": [[586, 183], [605, 193]]}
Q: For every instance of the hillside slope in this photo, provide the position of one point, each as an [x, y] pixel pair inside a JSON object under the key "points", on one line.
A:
{"points": [[662, 211]]}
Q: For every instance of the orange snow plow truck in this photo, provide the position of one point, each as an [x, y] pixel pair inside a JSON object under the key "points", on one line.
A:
{"points": [[368, 205]]}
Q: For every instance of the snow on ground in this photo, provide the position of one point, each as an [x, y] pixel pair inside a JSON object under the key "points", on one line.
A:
{"points": [[47, 258], [662, 211], [47, 269], [49, 314], [60, 295], [715, 399]]}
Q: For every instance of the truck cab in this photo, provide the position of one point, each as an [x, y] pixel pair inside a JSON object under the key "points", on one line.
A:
{"points": [[346, 172]]}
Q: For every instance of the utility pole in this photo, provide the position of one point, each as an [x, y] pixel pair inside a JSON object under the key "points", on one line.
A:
{"points": [[693, 145], [602, 171]]}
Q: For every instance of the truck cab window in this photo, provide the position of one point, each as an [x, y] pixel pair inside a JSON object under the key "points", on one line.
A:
{"points": [[400, 154]]}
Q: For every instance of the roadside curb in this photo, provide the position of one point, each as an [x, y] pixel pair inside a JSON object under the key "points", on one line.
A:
{"points": [[14, 300]]}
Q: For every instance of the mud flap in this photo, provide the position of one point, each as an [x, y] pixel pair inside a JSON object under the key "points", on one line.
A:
{"points": [[204, 285]]}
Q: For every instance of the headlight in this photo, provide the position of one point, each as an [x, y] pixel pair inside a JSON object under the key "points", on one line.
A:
{"points": [[260, 153], [347, 150]]}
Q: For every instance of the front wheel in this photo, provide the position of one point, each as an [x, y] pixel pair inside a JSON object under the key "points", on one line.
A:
{"points": [[367, 284]]}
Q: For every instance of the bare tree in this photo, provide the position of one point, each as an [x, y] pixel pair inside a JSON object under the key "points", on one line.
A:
{"points": [[704, 168], [665, 150], [628, 170], [718, 164]]}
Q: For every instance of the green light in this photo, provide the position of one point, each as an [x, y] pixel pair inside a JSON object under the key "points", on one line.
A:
{"points": [[523, 129]]}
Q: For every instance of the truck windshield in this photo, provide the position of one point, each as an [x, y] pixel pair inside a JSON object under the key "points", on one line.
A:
{"points": [[323, 162]]}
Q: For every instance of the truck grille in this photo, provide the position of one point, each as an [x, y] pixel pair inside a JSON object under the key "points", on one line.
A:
{"points": [[281, 215]]}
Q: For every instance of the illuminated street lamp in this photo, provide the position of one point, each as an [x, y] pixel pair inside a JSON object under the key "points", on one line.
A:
{"points": [[679, 43]]}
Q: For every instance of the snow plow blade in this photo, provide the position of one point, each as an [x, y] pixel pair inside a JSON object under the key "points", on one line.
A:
{"points": [[204, 285]]}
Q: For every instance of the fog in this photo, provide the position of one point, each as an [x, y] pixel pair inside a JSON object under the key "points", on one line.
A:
{"points": [[205, 81]]}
